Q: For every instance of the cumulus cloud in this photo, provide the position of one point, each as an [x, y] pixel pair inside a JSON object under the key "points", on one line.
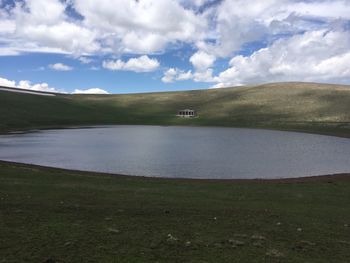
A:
{"points": [[154, 23], [170, 75], [140, 64], [204, 76], [236, 23], [148, 26], [112, 27], [60, 67], [202, 60], [313, 56], [215, 29], [7, 83], [43, 24], [175, 74], [7, 26], [25, 84], [90, 91]]}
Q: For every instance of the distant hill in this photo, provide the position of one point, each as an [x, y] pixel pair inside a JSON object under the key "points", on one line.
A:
{"points": [[17, 90], [311, 107]]}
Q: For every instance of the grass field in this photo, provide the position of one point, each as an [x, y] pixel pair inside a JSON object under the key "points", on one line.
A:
{"points": [[293, 106], [53, 215]]}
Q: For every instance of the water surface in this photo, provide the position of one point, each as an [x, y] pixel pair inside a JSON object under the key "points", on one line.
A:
{"points": [[186, 152]]}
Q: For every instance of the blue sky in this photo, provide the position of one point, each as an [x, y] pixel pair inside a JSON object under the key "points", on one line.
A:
{"points": [[35, 67], [126, 46]]}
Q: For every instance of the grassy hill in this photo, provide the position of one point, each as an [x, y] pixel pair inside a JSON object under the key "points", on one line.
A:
{"points": [[295, 106], [54, 215]]}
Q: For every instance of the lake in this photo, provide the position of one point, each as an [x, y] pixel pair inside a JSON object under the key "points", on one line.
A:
{"points": [[182, 152]]}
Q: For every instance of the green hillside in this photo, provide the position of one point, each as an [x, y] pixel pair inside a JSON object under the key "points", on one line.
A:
{"points": [[294, 106], [54, 215]]}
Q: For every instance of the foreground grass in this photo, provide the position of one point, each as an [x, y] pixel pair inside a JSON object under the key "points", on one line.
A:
{"points": [[311, 107], [57, 215]]}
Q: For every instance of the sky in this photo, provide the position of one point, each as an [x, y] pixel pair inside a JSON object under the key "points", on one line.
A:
{"points": [[131, 46]]}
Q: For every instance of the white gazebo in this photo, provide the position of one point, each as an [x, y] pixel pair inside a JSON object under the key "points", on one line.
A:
{"points": [[187, 113]]}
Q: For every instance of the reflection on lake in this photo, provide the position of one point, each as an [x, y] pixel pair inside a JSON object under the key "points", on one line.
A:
{"points": [[187, 152]]}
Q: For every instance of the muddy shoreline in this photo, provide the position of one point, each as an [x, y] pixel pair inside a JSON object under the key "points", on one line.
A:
{"points": [[330, 178]]}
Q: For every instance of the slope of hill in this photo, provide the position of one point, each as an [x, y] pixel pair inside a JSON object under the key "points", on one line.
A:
{"points": [[55, 215], [294, 106]]}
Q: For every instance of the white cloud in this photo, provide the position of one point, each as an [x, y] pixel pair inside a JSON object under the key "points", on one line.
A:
{"points": [[60, 67], [7, 83], [149, 26], [174, 74], [8, 51], [312, 56], [204, 76], [113, 27], [140, 64], [217, 29], [185, 75], [236, 23], [42, 25], [169, 75], [27, 85], [145, 26], [41, 11], [325, 8], [65, 37], [7, 26], [202, 60], [19, 48], [90, 91]]}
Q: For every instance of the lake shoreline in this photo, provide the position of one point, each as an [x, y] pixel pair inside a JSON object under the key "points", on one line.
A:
{"points": [[330, 178], [286, 129]]}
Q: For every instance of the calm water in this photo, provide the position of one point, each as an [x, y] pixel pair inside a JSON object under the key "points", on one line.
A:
{"points": [[182, 151]]}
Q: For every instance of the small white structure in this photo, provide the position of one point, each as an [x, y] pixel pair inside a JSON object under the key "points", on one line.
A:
{"points": [[187, 113]]}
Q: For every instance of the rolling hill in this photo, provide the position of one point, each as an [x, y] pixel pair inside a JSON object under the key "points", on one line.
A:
{"points": [[313, 107]]}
